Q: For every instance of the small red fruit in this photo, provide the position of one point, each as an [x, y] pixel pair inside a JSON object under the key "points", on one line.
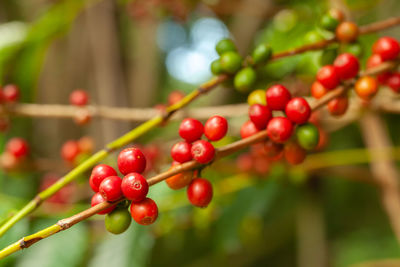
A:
{"points": [[200, 192], [272, 150], [97, 199], [277, 97], [317, 90], [338, 106], [260, 115], [248, 129], [375, 60], [366, 87], [99, 173], [131, 160], [110, 188], [17, 147], [175, 96], [134, 187], [11, 93], [346, 66], [181, 152], [215, 128], [86, 144], [144, 212], [78, 98], [394, 82], [179, 180], [244, 162], [70, 150], [294, 153], [279, 129], [347, 32], [298, 110], [191, 130], [387, 47], [328, 77], [202, 151]]}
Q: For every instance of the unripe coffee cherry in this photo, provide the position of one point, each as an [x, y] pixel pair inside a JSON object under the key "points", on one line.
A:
{"points": [[215, 128], [307, 136], [257, 97], [366, 87], [70, 150], [99, 173], [179, 180], [328, 77], [347, 32], [279, 129], [181, 152], [346, 66], [231, 62], [144, 212], [110, 188], [225, 45], [387, 47], [134, 187], [277, 97], [97, 199], [328, 22], [200, 192], [355, 49], [118, 221], [11, 93], [260, 115], [318, 90], [338, 106], [191, 130], [298, 110], [78, 98], [216, 68], [248, 129], [131, 160], [245, 79], [294, 153], [202, 151], [262, 53], [394, 82], [17, 147]]}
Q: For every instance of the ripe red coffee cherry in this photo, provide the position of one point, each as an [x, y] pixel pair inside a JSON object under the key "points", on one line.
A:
{"points": [[248, 129], [181, 152], [134, 187], [279, 129], [17, 147], [338, 106], [175, 96], [298, 110], [110, 188], [328, 77], [215, 128], [97, 199], [202, 151], [78, 98], [277, 97], [11, 93], [179, 180], [200, 192], [191, 130], [70, 150], [387, 47], [272, 150], [394, 82], [294, 153], [260, 115], [366, 87], [131, 160], [144, 212], [346, 66], [375, 60], [99, 173], [317, 90], [347, 32]]}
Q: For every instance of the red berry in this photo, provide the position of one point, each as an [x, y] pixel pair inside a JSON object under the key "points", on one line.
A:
{"points": [[179, 180], [338, 106], [70, 150], [328, 77], [99, 173], [346, 66], [144, 212], [277, 97], [131, 160], [17, 147], [244, 162], [347, 32], [261, 165], [387, 47], [366, 87], [248, 129], [11, 93], [181, 152], [298, 110], [317, 90], [215, 128], [175, 96], [260, 115], [86, 144], [78, 98], [191, 130], [82, 117], [134, 187], [202, 151], [394, 82], [272, 150], [294, 153], [97, 199], [279, 129], [200, 192], [110, 188], [375, 60]]}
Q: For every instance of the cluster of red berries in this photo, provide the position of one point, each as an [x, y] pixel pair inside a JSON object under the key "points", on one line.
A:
{"points": [[76, 151], [80, 98], [16, 152]]}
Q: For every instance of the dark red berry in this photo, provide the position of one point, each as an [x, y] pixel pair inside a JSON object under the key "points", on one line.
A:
{"points": [[279, 129], [277, 97], [144, 212], [294, 153], [134, 187], [99, 173], [131, 160], [375, 60], [215, 128], [181, 152], [70, 150], [260, 115], [200, 192], [11, 93], [272, 150], [78, 98], [97, 199], [394, 82], [346, 66], [248, 129], [338, 106], [110, 188], [328, 77], [298, 110], [17, 147], [387, 47], [191, 130], [202, 151]]}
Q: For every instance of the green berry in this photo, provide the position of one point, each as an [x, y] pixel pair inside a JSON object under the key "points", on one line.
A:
{"points": [[307, 136], [257, 97], [328, 56], [216, 67], [328, 22], [245, 79], [225, 45], [354, 48], [118, 221], [231, 62], [262, 53], [313, 37]]}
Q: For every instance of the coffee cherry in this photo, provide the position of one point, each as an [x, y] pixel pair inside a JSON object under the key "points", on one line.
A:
{"points": [[216, 67], [248, 129], [8, 161], [279, 129], [99, 173], [347, 32], [215, 128], [86, 144], [202, 151], [307, 136], [191, 130], [82, 117], [312, 37], [272, 150], [17, 147], [257, 97], [144, 212], [317, 90], [134, 187], [277, 97], [260, 115], [97, 199], [78, 98], [336, 14], [328, 22], [175, 96], [131, 160], [244, 162], [394, 82], [179, 180], [231, 62], [366, 87], [346, 66], [328, 77], [338, 106], [375, 60], [70, 150], [225, 45], [200, 192], [298, 110], [245, 79], [261, 165], [11, 93], [387, 47], [262, 53], [294, 153], [181, 152], [118, 221], [110, 188]]}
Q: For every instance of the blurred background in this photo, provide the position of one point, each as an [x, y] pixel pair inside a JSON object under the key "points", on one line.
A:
{"points": [[134, 54]]}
